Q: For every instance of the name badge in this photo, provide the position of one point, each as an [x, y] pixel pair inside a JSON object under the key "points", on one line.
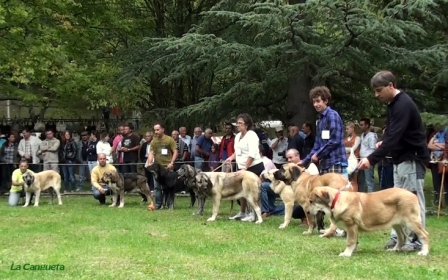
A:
{"points": [[325, 134], [164, 152]]}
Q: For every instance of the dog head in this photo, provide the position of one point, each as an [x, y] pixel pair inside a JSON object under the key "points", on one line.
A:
{"points": [[158, 170], [28, 179], [203, 184], [109, 177], [320, 200], [269, 175], [288, 173], [186, 172]]}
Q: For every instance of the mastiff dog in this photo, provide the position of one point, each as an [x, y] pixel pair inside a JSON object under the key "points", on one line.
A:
{"points": [[285, 192], [171, 184], [187, 173], [355, 212], [119, 183], [229, 186], [37, 182], [303, 183]]}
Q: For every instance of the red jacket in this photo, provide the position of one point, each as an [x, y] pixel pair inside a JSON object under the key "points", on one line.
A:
{"points": [[230, 143]]}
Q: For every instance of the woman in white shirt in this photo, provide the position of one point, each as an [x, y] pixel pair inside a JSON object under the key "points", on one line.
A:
{"points": [[104, 147], [247, 156]]}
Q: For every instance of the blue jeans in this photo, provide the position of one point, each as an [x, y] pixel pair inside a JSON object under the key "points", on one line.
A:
{"points": [[68, 169], [366, 180], [82, 174], [198, 161], [268, 197], [101, 197], [92, 164]]}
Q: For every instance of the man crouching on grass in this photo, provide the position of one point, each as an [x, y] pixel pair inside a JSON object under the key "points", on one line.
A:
{"points": [[99, 189]]}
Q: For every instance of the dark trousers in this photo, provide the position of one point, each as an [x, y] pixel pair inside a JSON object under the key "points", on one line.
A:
{"points": [[128, 167], [437, 181], [6, 174], [386, 175]]}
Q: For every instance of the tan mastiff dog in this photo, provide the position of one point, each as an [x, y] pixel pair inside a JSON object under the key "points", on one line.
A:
{"points": [[354, 212], [303, 183], [37, 182], [228, 186], [285, 192]]}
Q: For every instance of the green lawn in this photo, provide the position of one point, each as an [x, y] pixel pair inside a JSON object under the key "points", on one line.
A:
{"points": [[97, 242]]}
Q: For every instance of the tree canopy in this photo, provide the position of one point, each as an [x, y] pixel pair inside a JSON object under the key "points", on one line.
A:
{"points": [[203, 61]]}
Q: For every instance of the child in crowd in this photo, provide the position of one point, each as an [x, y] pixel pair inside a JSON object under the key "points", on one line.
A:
{"points": [[214, 157]]}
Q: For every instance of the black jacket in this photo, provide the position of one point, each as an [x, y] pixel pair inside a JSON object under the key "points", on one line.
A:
{"points": [[405, 136]]}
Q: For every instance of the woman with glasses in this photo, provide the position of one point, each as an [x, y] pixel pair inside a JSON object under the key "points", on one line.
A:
{"points": [[247, 156]]}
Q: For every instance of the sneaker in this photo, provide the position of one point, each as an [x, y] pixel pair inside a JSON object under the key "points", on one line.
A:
{"points": [[410, 248], [339, 233], [390, 244], [238, 216], [78, 190], [249, 218]]}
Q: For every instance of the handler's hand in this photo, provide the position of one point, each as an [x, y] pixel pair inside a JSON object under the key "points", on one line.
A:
{"points": [[170, 166], [314, 158], [378, 144], [364, 164], [102, 191]]}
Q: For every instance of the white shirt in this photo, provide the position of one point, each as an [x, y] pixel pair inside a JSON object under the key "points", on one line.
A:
{"points": [[368, 144], [268, 165], [34, 143], [187, 140], [103, 147], [247, 147], [281, 147]]}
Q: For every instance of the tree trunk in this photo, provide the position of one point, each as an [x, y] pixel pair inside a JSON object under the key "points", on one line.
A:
{"points": [[299, 108]]}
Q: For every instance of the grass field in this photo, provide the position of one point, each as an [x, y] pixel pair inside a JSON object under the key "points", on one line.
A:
{"points": [[97, 242]]}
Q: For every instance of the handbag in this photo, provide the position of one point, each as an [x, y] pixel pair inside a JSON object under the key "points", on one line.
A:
{"points": [[352, 162]]}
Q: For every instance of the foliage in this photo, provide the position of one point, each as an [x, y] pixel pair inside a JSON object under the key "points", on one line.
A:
{"points": [[243, 53], [434, 119], [202, 61]]}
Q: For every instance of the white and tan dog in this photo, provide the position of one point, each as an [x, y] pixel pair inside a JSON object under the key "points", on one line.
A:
{"points": [[355, 212], [38, 182]]}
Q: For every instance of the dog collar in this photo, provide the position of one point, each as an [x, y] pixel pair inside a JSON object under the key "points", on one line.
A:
{"points": [[335, 199]]}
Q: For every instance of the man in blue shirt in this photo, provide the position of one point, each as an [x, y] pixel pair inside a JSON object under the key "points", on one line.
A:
{"points": [[329, 147], [203, 149]]}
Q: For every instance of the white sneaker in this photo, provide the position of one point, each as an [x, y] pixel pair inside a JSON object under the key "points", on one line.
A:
{"points": [[249, 218], [238, 216]]}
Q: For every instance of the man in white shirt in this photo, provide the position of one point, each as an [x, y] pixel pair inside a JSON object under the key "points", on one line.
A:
{"points": [[279, 145], [186, 138], [27, 149], [368, 146]]}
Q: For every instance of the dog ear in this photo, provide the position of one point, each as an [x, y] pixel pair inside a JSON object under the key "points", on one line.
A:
{"points": [[295, 173], [278, 175]]}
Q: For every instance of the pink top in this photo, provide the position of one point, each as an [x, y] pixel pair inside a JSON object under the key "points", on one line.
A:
{"points": [[117, 140], [268, 165]]}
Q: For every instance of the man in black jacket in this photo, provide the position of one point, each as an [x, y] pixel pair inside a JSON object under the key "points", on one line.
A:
{"points": [[405, 139]]}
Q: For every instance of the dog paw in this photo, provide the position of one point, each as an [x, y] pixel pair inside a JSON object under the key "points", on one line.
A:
{"points": [[307, 232], [25, 206], [112, 205], [345, 254], [35, 205], [259, 221], [210, 219], [282, 226], [121, 206], [423, 253]]}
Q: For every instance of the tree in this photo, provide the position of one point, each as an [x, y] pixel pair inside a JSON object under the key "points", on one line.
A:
{"points": [[263, 57]]}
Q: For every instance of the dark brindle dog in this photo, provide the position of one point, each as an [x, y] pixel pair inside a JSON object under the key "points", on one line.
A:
{"points": [[188, 173], [120, 183], [171, 184]]}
